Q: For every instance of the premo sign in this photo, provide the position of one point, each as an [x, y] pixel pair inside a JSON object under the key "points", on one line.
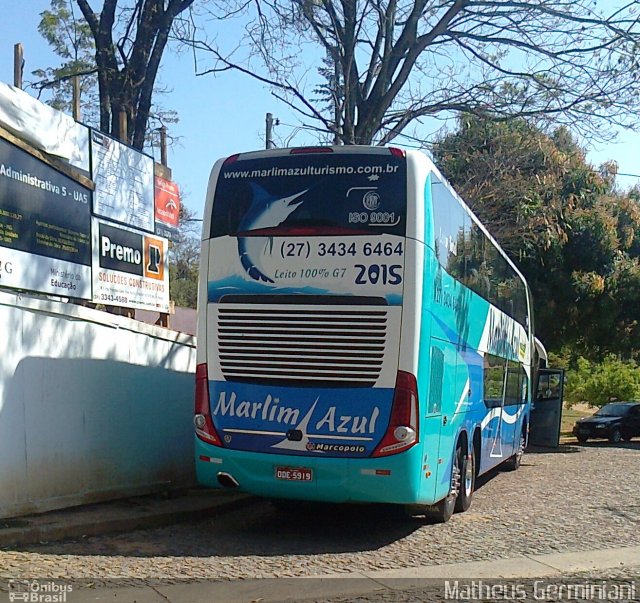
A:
{"points": [[131, 252], [129, 267]]}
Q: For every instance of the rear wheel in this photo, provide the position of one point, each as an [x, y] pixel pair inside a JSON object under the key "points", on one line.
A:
{"points": [[442, 511], [514, 462], [582, 438], [467, 481]]}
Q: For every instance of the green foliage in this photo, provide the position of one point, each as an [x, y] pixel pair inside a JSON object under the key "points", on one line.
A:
{"points": [[599, 383], [117, 53], [184, 261], [574, 237], [70, 38]]}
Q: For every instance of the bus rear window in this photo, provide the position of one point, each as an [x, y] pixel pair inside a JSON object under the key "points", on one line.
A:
{"points": [[323, 194]]}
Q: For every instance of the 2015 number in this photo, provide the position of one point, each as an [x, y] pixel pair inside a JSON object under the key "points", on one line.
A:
{"points": [[378, 273]]}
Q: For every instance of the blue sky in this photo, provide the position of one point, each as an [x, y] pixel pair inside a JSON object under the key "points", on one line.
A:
{"points": [[219, 115]]}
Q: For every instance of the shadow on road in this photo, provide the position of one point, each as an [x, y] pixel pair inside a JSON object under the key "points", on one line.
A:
{"points": [[261, 527], [266, 528]]}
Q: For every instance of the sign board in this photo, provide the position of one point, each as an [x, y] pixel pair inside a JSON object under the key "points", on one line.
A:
{"points": [[45, 221], [124, 182], [167, 204], [129, 267]]}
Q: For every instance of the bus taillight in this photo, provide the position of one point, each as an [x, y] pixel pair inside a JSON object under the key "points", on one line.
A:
{"points": [[202, 418], [402, 432]]}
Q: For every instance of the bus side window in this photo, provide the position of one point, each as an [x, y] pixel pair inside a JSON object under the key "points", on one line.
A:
{"points": [[494, 368], [544, 390]]}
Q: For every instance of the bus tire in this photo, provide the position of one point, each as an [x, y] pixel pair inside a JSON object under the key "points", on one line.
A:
{"points": [[514, 462], [443, 510], [467, 480]]}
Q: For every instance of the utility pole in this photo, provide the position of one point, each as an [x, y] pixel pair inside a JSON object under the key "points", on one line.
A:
{"points": [[163, 145], [269, 133], [18, 65]]}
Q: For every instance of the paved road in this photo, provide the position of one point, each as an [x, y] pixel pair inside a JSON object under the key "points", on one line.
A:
{"points": [[583, 497]]}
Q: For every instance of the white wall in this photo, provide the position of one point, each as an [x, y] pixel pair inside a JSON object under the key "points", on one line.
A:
{"points": [[92, 406]]}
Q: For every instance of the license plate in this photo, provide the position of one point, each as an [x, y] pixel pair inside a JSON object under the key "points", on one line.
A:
{"points": [[294, 474]]}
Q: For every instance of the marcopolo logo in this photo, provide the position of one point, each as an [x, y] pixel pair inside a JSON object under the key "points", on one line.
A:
{"points": [[131, 252]]}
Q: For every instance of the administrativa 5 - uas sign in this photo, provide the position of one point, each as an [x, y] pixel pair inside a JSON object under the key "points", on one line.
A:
{"points": [[44, 227]]}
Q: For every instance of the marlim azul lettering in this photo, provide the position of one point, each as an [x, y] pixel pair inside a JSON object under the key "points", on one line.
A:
{"points": [[271, 410]]}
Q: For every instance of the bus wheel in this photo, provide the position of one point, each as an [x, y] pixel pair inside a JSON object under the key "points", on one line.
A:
{"points": [[442, 511], [467, 480], [514, 462]]}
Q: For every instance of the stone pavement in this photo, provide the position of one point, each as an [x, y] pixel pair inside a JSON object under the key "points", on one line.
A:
{"points": [[539, 573], [573, 501]]}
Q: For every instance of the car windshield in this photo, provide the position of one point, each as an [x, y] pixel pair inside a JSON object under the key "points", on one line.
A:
{"points": [[613, 410]]}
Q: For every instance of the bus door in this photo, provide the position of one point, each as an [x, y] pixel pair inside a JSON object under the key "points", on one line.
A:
{"points": [[546, 412], [438, 426]]}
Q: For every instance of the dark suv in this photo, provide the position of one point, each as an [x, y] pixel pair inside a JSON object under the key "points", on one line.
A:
{"points": [[615, 421]]}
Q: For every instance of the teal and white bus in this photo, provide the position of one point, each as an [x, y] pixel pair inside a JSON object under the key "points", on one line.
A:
{"points": [[361, 336]]}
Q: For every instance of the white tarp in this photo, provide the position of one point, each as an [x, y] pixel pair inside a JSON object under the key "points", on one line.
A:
{"points": [[45, 128]]}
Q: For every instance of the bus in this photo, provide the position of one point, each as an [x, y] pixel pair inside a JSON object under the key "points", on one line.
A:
{"points": [[361, 335]]}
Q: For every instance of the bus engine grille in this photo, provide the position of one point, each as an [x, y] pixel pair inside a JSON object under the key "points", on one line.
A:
{"points": [[329, 346]]}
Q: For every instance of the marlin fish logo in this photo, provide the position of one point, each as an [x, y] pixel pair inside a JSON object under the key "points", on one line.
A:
{"points": [[266, 211]]}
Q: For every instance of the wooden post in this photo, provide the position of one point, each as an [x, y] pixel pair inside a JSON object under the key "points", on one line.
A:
{"points": [[18, 65], [268, 134], [122, 126], [163, 145], [163, 318], [76, 97]]}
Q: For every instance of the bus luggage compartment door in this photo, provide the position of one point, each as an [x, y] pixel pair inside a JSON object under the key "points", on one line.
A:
{"points": [[546, 413]]}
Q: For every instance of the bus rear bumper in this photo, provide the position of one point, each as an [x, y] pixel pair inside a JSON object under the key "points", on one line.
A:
{"points": [[393, 479]]}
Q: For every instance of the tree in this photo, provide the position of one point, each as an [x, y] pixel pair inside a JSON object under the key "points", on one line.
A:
{"points": [[184, 261], [600, 383], [574, 237], [397, 62], [129, 40], [70, 38]]}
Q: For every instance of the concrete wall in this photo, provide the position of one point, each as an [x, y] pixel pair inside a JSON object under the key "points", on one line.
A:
{"points": [[92, 406]]}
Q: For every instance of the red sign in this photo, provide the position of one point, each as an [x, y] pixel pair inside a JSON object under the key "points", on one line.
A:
{"points": [[167, 198]]}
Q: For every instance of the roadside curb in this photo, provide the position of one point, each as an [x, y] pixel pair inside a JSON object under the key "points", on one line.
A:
{"points": [[548, 567], [125, 515]]}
